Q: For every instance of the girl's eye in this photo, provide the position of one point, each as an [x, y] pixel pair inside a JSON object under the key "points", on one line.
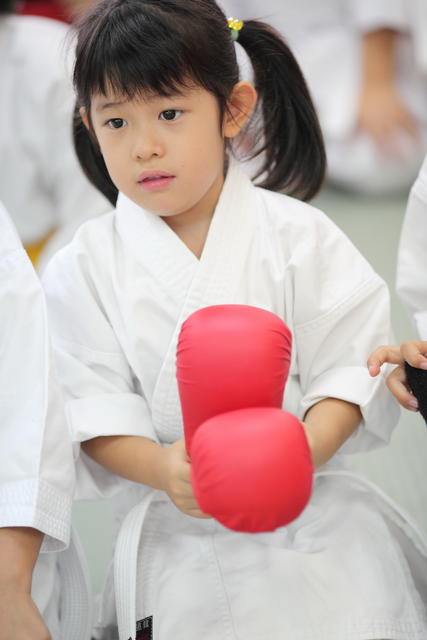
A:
{"points": [[116, 123], [170, 114]]}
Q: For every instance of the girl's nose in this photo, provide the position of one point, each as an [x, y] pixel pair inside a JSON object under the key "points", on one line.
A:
{"points": [[147, 145]]}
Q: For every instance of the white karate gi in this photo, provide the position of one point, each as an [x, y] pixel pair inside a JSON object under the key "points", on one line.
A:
{"points": [[326, 40], [117, 297], [419, 21], [41, 182], [36, 459], [412, 256]]}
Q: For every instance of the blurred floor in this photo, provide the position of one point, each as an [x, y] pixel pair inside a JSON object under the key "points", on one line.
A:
{"points": [[401, 468]]}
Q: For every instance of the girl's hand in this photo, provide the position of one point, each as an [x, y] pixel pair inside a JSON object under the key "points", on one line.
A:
{"points": [[177, 480], [414, 352], [19, 617]]}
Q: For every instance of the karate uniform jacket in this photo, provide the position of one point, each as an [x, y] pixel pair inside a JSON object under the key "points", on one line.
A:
{"points": [[41, 182], [36, 458], [117, 297], [412, 256]]}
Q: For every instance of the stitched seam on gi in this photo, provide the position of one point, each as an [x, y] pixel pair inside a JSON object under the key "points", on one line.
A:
{"points": [[342, 307]]}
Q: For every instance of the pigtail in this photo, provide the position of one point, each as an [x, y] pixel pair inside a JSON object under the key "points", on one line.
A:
{"points": [[91, 160], [294, 159]]}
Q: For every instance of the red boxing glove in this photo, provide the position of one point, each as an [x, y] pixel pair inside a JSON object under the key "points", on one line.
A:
{"points": [[251, 466], [230, 357], [251, 469]]}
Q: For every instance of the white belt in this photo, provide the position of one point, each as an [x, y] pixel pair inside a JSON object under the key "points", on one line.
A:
{"points": [[125, 567], [76, 593]]}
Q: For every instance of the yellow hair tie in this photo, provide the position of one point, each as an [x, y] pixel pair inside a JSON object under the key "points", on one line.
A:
{"points": [[235, 26]]}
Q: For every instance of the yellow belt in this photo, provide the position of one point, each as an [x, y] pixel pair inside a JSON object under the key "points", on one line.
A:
{"points": [[34, 249]]}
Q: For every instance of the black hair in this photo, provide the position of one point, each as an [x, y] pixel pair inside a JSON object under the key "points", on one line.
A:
{"points": [[91, 160], [8, 6], [163, 46]]}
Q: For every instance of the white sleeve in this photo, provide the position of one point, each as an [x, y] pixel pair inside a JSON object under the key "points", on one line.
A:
{"points": [[341, 315], [419, 24], [412, 256], [36, 460], [370, 15], [101, 398]]}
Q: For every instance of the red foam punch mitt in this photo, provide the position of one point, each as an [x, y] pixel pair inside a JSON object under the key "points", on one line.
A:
{"points": [[251, 469], [230, 357], [250, 461]]}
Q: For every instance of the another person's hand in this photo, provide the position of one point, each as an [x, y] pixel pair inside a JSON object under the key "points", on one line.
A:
{"points": [[415, 353], [19, 617], [386, 119], [177, 482]]}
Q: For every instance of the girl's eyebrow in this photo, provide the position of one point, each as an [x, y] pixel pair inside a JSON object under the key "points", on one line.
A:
{"points": [[108, 105], [149, 98]]}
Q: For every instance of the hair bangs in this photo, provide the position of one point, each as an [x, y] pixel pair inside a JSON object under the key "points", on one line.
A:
{"points": [[134, 53]]}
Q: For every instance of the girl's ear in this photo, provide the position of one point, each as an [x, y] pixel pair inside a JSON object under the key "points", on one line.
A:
{"points": [[85, 119], [240, 105]]}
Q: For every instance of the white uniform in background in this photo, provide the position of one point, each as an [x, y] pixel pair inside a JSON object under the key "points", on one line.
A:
{"points": [[326, 39], [412, 257], [36, 459], [352, 566], [419, 21], [41, 182]]}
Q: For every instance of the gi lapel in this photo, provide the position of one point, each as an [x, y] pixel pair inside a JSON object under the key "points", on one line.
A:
{"points": [[216, 281]]}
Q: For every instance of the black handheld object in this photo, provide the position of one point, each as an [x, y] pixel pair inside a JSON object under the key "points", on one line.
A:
{"points": [[417, 382]]}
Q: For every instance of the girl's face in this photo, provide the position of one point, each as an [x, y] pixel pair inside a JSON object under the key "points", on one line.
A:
{"points": [[165, 154]]}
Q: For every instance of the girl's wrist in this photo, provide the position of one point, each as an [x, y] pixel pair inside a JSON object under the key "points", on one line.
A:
{"points": [[310, 435], [15, 583], [163, 465], [22, 545]]}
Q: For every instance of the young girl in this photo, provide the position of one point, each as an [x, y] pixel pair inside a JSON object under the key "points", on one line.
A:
{"points": [[159, 94]]}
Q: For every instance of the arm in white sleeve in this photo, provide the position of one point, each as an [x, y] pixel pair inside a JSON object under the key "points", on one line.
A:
{"points": [[341, 314], [101, 399], [412, 257], [36, 461], [371, 15]]}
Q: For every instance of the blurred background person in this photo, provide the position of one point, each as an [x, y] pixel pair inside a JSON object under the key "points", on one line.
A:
{"points": [[41, 183], [54, 9], [412, 256], [412, 289], [63, 10], [364, 64], [38, 594]]}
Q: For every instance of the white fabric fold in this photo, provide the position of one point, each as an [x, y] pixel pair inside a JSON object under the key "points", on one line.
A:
{"points": [[411, 281], [36, 461]]}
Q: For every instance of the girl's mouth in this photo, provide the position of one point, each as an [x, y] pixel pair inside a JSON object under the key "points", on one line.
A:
{"points": [[155, 180]]}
